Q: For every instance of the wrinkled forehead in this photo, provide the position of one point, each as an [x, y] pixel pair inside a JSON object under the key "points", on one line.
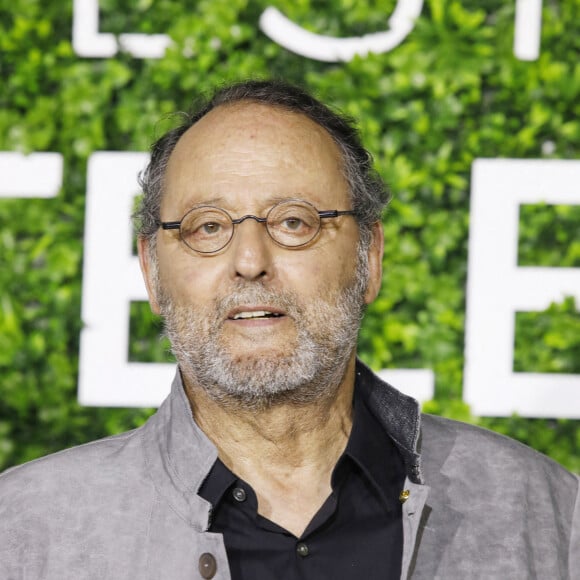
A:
{"points": [[255, 146], [249, 121]]}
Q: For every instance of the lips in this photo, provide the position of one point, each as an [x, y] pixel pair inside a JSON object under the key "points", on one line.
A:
{"points": [[254, 313], [257, 314]]}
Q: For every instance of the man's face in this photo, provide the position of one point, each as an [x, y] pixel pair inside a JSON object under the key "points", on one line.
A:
{"points": [[245, 158]]}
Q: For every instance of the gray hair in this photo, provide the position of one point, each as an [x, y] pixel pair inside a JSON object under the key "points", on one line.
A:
{"points": [[369, 194]]}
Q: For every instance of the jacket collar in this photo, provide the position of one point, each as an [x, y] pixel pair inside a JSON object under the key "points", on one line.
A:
{"points": [[399, 414], [179, 456]]}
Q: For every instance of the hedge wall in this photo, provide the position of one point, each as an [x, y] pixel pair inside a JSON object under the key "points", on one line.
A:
{"points": [[451, 92]]}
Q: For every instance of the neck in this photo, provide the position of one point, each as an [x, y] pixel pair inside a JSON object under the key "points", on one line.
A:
{"points": [[285, 432], [283, 450]]}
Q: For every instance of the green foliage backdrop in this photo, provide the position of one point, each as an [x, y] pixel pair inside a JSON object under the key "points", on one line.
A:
{"points": [[453, 91]]}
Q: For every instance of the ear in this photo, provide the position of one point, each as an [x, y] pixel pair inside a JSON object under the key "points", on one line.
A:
{"points": [[148, 271], [375, 253]]}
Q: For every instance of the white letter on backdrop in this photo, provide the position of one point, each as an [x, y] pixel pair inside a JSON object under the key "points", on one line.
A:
{"points": [[88, 41], [527, 29], [111, 281], [330, 49], [33, 175], [497, 288]]}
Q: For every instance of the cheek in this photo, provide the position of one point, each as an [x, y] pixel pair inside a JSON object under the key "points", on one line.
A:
{"points": [[188, 280], [319, 276], [301, 269]]}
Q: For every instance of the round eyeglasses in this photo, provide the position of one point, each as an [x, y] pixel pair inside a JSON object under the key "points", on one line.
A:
{"points": [[291, 224]]}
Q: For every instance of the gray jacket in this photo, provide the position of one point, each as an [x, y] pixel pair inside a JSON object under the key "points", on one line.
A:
{"points": [[480, 506]]}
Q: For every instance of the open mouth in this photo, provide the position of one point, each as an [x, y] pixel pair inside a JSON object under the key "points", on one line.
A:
{"points": [[247, 315]]}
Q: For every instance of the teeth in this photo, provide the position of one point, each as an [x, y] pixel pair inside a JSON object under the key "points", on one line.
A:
{"points": [[255, 314]]}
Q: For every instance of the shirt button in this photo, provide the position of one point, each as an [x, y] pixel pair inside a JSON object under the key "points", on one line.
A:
{"points": [[207, 566], [302, 549], [239, 494]]}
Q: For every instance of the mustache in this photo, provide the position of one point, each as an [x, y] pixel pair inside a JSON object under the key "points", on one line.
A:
{"points": [[248, 295], [283, 300]]}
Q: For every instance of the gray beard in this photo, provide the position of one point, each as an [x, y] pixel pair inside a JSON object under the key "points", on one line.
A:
{"points": [[310, 369]]}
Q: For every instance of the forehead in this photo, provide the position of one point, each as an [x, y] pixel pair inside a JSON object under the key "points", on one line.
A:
{"points": [[247, 152]]}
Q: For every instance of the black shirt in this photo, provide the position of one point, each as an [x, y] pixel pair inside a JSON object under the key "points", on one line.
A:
{"points": [[356, 534]]}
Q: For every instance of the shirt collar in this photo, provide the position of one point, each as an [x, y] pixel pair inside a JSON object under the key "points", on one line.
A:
{"points": [[374, 452], [218, 481]]}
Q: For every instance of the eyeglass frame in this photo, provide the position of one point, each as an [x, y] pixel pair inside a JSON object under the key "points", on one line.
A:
{"points": [[322, 214]]}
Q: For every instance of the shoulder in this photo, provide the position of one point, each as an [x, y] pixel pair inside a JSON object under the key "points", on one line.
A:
{"points": [[482, 457], [65, 476], [499, 492], [51, 503], [447, 438]]}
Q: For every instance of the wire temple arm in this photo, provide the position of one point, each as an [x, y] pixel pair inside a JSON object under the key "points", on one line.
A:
{"points": [[170, 225], [335, 213]]}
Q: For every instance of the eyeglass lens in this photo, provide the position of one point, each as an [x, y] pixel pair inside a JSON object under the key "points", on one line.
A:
{"points": [[208, 229]]}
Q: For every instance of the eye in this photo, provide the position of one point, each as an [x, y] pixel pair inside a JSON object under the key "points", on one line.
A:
{"points": [[297, 222], [293, 224], [209, 228], [205, 223]]}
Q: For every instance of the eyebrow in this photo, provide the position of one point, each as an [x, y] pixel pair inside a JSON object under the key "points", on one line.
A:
{"points": [[220, 201], [213, 201]]}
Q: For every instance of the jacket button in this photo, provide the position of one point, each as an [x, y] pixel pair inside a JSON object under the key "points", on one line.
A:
{"points": [[207, 566]]}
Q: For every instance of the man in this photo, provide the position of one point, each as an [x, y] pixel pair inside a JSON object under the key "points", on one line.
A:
{"points": [[277, 453]]}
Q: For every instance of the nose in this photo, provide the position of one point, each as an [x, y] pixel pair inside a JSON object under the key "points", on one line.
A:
{"points": [[251, 250]]}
